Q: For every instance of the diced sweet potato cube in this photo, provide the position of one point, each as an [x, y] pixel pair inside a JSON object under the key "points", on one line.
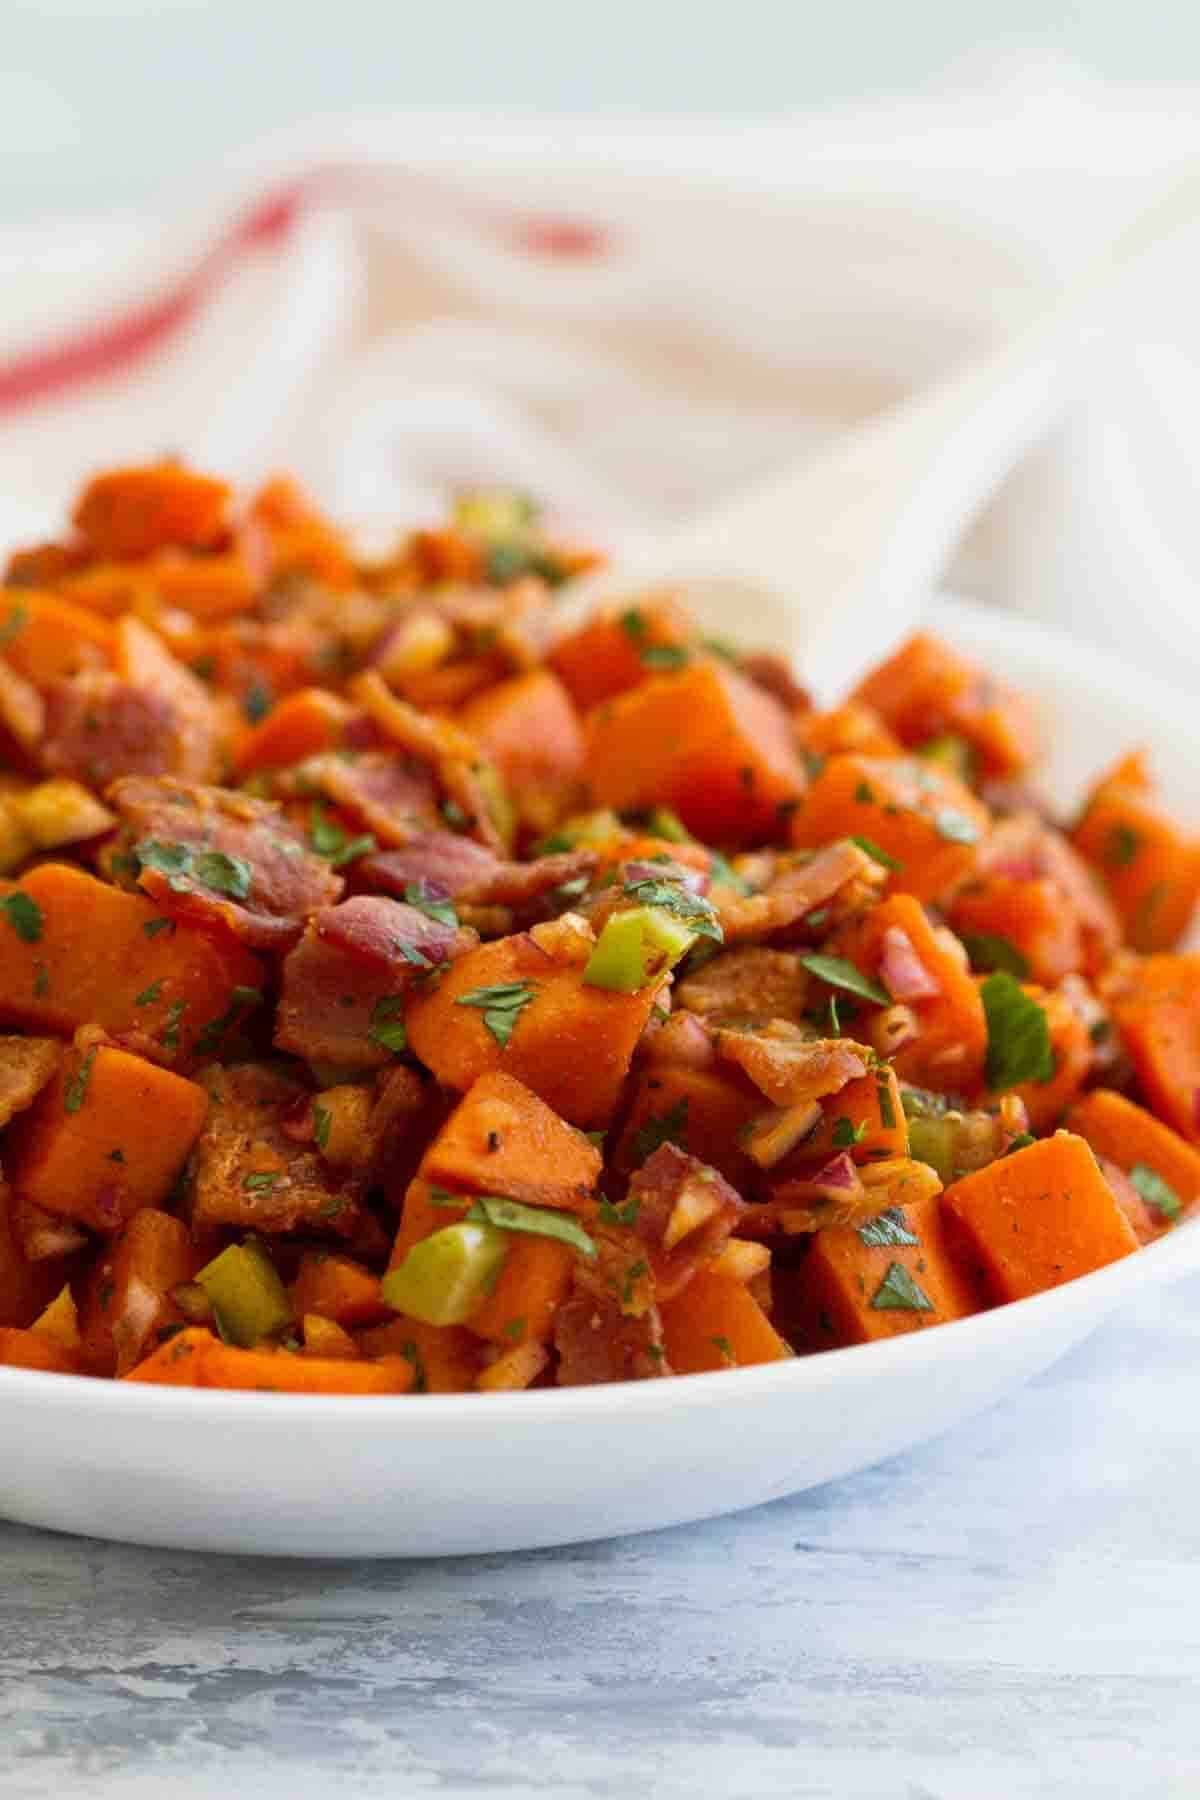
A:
{"points": [[570, 1043], [715, 1323], [530, 729], [445, 1359], [131, 512], [77, 952], [927, 690], [861, 1283], [922, 817], [127, 1296], [1033, 917], [866, 1118], [1037, 1218], [501, 1139], [701, 1110], [1159, 1022], [107, 1135], [1071, 1048], [850, 727], [34, 1350], [618, 650], [195, 1358], [1149, 863], [1126, 1134], [705, 742], [337, 1288]]}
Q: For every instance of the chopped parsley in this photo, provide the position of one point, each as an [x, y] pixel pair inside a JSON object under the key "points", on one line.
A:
{"points": [[514, 1329], [41, 981], [168, 1037], [331, 842], [262, 1180], [864, 794], [152, 927], [633, 624], [726, 1349], [1018, 1046], [887, 1112], [24, 915], [214, 1033], [1121, 846], [841, 974], [77, 1087], [387, 1024], [15, 621], [1022, 1141], [501, 1006], [183, 866], [633, 1275], [898, 1292], [149, 995], [845, 1133], [625, 1214], [989, 951], [411, 1354], [696, 912], [535, 1221], [664, 656], [257, 702], [887, 1230], [664, 1128], [877, 854], [433, 905], [1155, 1191]]}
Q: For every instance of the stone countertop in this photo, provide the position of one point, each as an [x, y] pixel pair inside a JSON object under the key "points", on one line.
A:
{"points": [[1011, 1611]]}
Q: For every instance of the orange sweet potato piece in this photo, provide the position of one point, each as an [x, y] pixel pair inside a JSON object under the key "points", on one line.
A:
{"points": [[948, 1052], [1071, 1047], [131, 512], [195, 1358], [869, 1105], [529, 727], [301, 540], [1037, 1218], [715, 1323], [1126, 1134], [501, 1139], [1034, 916], [926, 689], [63, 1152], [571, 1043], [1159, 1022], [304, 724], [919, 814], [849, 727], [209, 587], [91, 954], [127, 1296], [25, 1287], [47, 639], [607, 655], [705, 742], [703, 1111], [337, 1288], [34, 1350], [534, 1281], [1150, 865], [445, 1359], [846, 1290]]}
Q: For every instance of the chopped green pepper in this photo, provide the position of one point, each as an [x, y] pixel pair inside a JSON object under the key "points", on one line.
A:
{"points": [[635, 947], [247, 1296], [445, 1277]]}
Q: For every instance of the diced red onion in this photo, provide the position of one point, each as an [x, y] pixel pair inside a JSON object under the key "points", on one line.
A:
{"points": [[903, 973], [682, 1040]]}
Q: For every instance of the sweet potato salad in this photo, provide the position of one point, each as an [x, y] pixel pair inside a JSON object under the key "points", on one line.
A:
{"points": [[404, 989]]}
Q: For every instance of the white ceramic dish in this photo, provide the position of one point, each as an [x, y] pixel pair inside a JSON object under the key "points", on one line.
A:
{"points": [[450, 1474]]}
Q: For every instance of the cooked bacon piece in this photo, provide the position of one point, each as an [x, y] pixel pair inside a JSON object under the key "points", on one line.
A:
{"points": [[598, 1342], [249, 1174], [216, 856], [774, 673], [749, 982], [332, 1004], [99, 728], [449, 865], [386, 933], [462, 870], [26, 1065], [463, 773], [799, 886], [394, 796], [143, 660], [789, 1067], [685, 1213]]}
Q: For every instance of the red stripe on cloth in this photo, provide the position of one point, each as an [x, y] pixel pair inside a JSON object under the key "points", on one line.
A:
{"points": [[110, 346]]}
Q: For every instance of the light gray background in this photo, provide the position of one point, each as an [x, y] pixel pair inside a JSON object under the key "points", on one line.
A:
{"points": [[102, 101]]}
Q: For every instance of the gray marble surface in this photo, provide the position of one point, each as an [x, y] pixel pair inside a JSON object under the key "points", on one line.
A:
{"points": [[1012, 1611]]}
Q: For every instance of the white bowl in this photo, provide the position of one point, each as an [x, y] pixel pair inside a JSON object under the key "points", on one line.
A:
{"points": [[443, 1475]]}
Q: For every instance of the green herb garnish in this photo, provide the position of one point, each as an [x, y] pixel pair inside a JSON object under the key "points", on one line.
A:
{"points": [[887, 1230], [536, 1221], [846, 1133], [841, 974], [1121, 846], [501, 1006], [898, 1292], [670, 1127], [1155, 1191], [418, 894], [989, 951], [24, 915], [877, 854], [387, 1024], [1018, 1047], [77, 1087]]}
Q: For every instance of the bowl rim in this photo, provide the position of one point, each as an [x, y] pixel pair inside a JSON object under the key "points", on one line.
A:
{"points": [[1169, 1258]]}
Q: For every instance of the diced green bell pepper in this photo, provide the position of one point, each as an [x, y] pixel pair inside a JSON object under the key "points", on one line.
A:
{"points": [[247, 1296], [635, 947], [445, 1277]]}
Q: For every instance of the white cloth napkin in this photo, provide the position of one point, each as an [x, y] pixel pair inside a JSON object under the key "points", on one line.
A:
{"points": [[632, 320]]}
